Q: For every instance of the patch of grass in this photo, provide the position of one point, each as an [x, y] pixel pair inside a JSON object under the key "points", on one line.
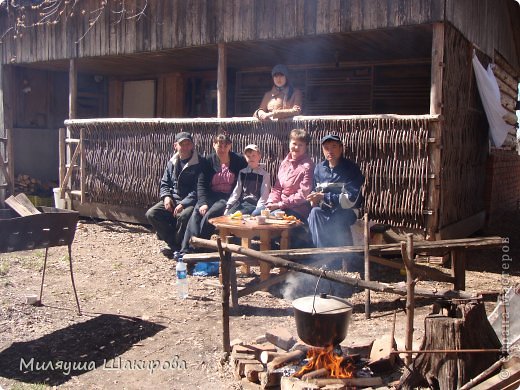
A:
{"points": [[4, 267], [118, 265]]}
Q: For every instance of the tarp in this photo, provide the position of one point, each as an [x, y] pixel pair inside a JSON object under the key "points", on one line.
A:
{"points": [[490, 96]]}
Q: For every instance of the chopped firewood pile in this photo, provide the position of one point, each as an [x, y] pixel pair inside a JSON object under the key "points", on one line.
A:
{"points": [[278, 360], [32, 186]]}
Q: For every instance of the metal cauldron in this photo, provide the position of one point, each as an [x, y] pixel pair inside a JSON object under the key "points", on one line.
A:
{"points": [[322, 320]]}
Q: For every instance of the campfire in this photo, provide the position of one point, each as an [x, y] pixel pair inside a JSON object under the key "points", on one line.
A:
{"points": [[326, 362], [278, 361]]}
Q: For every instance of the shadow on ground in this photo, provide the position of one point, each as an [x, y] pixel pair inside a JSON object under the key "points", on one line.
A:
{"points": [[80, 348]]}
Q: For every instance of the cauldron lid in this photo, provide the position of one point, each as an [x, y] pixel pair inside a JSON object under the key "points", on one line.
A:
{"points": [[323, 304]]}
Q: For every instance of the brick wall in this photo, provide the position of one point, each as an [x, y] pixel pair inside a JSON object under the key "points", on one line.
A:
{"points": [[502, 183]]}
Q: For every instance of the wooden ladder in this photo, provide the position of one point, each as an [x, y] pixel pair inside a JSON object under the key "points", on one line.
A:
{"points": [[67, 168]]}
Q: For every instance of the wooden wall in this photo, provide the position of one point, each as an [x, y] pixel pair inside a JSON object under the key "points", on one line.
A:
{"points": [[383, 88], [489, 24], [464, 135], [167, 24]]}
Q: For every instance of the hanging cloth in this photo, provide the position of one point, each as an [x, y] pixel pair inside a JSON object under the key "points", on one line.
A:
{"points": [[490, 96]]}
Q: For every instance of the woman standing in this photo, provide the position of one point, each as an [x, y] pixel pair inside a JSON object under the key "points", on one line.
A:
{"points": [[216, 183], [294, 180], [283, 100]]}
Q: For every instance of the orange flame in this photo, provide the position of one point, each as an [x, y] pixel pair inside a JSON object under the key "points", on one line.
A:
{"points": [[319, 358]]}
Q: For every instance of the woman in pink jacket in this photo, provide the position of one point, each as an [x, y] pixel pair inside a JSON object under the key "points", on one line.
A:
{"points": [[294, 181]]}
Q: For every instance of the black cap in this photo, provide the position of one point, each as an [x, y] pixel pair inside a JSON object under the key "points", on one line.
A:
{"points": [[182, 136], [331, 137]]}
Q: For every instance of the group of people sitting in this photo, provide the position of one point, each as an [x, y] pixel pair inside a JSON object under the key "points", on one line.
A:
{"points": [[195, 189]]}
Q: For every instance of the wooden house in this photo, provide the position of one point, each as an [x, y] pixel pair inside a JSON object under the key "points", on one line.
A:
{"points": [[392, 77]]}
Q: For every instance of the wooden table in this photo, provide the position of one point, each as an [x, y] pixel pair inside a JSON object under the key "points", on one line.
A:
{"points": [[247, 228]]}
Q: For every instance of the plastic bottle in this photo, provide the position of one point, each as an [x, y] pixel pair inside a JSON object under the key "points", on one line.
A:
{"points": [[182, 276]]}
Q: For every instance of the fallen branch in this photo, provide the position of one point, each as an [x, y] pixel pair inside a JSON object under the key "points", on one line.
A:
{"points": [[330, 275]]}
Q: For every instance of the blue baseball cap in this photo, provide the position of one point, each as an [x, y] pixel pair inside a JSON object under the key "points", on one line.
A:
{"points": [[331, 137]]}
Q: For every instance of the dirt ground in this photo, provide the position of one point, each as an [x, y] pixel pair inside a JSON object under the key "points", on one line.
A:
{"points": [[136, 334]]}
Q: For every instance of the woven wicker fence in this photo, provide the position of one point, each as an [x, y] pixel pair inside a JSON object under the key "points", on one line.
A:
{"points": [[125, 158]]}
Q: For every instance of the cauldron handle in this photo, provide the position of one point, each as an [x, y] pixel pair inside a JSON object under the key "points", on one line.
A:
{"points": [[315, 291]]}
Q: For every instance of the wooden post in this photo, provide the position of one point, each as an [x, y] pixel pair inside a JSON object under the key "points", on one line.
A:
{"points": [[407, 252], [3, 145], [82, 164], [222, 81], [10, 158], [434, 182], [73, 88], [458, 268], [437, 69], [225, 259], [62, 155], [436, 108], [366, 237]]}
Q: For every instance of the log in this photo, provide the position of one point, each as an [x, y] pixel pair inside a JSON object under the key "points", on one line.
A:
{"points": [[268, 356], [292, 383], [315, 374], [251, 372], [269, 379], [366, 382], [483, 375], [330, 275], [285, 358], [467, 328], [430, 248], [408, 253], [225, 261]]}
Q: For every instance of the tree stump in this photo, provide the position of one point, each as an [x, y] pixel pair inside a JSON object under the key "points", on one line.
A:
{"points": [[456, 325]]}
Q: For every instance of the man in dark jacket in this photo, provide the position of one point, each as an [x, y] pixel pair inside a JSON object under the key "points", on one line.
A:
{"points": [[178, 193], [338, 184]]}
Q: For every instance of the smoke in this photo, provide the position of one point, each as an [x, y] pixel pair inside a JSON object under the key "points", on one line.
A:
{"points": [[299, 285]]}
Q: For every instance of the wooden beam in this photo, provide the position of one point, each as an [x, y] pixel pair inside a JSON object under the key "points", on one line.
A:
{"points": [[428, 247], [434, 183], [62, 154], [5, 174], [222, 81], [407, 251], [366, 247], [10, 158], [464, 227], [436, 108], [82, 159], [112, 212], [73, 88], [330, 275], [437, 69]]}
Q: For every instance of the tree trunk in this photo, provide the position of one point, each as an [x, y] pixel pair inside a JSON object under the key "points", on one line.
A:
{"points": [[464, 326]]}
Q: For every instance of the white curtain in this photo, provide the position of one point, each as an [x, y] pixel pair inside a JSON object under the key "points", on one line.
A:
{"points": [[490, 96]]}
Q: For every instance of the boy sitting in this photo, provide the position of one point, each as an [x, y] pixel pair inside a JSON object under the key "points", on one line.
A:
{"points": [[253, 185]]}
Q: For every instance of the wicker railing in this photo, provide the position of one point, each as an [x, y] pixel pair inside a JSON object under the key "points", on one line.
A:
{"points": [[125, 158]]}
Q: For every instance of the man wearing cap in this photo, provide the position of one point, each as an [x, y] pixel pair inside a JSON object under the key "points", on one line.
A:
{"points": [[283, 100], [253, 185], [338, 184], [178, 192]]}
